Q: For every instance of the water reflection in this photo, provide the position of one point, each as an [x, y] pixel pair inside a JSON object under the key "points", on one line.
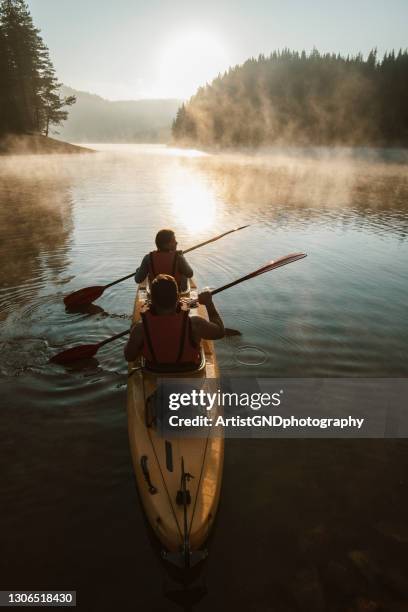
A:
{"points": [[340, 312], [78, 222], [35, 227], [313, 190], [192, 200]]}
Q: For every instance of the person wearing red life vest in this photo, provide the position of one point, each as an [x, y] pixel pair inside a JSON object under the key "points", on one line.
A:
{"points": [[165, 260], [167, 335]]}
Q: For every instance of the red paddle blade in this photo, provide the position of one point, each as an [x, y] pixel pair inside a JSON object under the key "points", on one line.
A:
{"points": [[83, 296], [85, 351]]}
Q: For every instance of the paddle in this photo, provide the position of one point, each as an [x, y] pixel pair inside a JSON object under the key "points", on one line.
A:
{"points": [[231, 332], [83, 351], [90, 294], [272, 265], [86, 351]]}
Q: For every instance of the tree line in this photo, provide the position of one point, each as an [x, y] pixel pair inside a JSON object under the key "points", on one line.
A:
{"points": [[30, 101], [303, 99]]}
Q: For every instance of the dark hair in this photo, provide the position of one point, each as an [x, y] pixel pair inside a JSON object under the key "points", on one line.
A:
{"points": [[164, 291], [163, 238]]}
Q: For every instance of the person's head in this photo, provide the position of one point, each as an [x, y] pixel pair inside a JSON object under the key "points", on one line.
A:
{"points": [[164, 292], [166, 240]]}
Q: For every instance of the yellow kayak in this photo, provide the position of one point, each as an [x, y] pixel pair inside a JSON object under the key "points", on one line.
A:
{"points": [[179, 479]]}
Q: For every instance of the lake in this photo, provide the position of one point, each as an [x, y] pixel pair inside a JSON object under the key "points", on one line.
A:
{"points": [[312, 510]]}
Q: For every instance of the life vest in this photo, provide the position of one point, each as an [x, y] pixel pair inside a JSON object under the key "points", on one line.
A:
{"points": [[164, 262], [168, 338]]}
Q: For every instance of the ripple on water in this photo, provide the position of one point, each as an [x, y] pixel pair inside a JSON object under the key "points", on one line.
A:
{"points": [[19, 355], [25, 301], [251, 355]]}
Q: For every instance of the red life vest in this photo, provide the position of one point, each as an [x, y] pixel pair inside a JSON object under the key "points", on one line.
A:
{"points": [[164, 262], [168, 339]]}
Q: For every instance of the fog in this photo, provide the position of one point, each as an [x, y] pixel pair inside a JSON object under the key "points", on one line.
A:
{"points": [[306, 179]]}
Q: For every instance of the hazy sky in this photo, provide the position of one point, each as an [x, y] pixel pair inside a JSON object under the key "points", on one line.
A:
{"points": [[131, 49]]}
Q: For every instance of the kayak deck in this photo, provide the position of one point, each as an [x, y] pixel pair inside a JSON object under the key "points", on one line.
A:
{"points": [[158, 462]]}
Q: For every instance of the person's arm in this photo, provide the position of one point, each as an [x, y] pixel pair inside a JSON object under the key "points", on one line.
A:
{"points": [[134, 345], [143, 270], [212, 329], [183, 267]]}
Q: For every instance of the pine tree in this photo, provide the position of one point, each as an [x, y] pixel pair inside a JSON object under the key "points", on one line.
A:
{"points": [[52, 104], [27, 73], [6, 106], [23, 48]]}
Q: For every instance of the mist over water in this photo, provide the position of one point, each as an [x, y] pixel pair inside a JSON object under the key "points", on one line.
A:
{"points": [[73, 221], [68, 221]]}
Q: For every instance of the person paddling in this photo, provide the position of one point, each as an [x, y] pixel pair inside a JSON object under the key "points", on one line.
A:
{"points": [[167, 335], [165, 260]]}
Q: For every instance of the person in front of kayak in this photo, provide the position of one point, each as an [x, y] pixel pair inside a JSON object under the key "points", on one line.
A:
{"points": [[167, 335], [165, 260]]}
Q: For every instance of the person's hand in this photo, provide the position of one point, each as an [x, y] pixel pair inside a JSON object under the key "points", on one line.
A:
{"points": [[205, 298]]}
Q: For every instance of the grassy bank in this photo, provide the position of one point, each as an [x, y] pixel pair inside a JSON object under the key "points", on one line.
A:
{"points": [[36, 144]]}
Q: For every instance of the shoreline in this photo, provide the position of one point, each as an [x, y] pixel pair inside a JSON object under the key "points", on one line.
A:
{"points": [[373, 153], [37, 144]]}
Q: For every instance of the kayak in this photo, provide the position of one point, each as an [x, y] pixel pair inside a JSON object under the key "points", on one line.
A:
{"points": [[178, 478]]}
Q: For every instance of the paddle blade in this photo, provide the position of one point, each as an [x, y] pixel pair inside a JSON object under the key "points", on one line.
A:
{"points": [[84, 351], [272, 265], [231, 332], [82, 297], [277, 263]]}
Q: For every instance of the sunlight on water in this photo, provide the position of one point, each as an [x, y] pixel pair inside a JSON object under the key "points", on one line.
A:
{"points": [[192, 199], [146, 149], [185, 152]]}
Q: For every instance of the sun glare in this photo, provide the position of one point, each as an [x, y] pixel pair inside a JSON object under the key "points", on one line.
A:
{"points": [[189, 60], [192, 201]]}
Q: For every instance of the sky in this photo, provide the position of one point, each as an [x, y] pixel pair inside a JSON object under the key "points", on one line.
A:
{"points": [[134, 49]]}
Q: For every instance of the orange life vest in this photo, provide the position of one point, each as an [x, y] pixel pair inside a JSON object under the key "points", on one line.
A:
{"points": [[164, 262], [168, 339]]}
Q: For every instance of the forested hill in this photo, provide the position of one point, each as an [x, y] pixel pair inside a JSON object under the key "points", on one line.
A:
{"points": [[296, 98], [94, 119]]}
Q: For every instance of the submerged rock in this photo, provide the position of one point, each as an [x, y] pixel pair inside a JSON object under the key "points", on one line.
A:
{"points": [[394, 531], [307, 591], [314, 544], [382, 572], [342, 579], [364, 604], [396, 580], [367, 566]]}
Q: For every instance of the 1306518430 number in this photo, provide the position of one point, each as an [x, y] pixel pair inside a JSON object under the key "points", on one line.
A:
{"points": [[38, 598]]}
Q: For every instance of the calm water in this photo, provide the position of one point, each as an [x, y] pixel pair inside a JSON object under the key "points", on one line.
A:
{"points": [[70, 514]]}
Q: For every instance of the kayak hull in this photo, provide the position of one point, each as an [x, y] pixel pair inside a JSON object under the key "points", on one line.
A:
{"points": [[158, 462]]}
